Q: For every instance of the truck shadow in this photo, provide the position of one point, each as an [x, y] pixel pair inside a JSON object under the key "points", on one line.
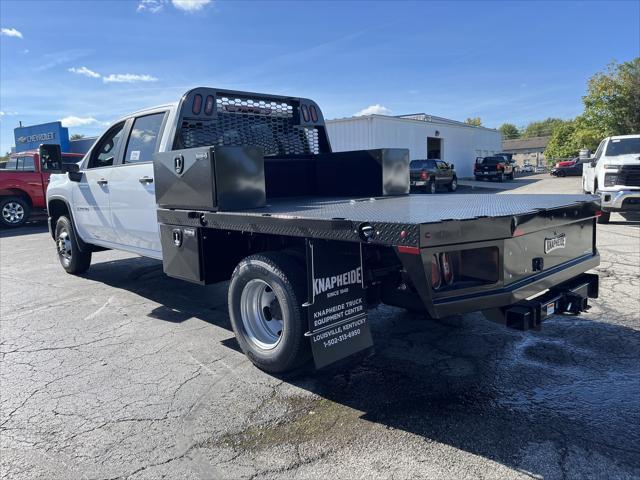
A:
{"points": [[528, 400], [31, 227]]}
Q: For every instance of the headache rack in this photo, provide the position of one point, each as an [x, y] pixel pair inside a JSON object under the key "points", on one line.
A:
{"points": [[281, 126]]}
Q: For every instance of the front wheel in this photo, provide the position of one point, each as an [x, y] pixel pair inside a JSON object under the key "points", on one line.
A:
{"points": [[14, 212], [431, 187], [501, 177], [453, 186], [266, 294], [72, 259]]}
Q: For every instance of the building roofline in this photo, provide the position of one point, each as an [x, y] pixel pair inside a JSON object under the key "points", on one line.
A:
{"points": [[435, 120]]}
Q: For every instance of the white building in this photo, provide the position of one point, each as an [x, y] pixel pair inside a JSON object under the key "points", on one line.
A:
{"points": [[425, 136]]}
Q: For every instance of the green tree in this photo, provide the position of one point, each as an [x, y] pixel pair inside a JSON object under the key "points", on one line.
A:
{"points": [[612, 102], [475, 121], [542, 128], [76, 136], [562, 143], [509, 131]]}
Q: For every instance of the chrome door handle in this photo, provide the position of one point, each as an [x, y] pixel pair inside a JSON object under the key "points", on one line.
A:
{"points": [[102, 181], [145, 180]]}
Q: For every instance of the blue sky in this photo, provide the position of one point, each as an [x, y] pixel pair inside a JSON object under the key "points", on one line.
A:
{"points": [[91, 62]]}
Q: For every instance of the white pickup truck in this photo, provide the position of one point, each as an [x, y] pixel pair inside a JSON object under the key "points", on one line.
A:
{"points": [[614, 174], [244, 186]]}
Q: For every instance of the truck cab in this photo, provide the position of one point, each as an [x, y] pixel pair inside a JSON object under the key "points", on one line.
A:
{"points": [[23, 184], [113, 191], [613, 173]]}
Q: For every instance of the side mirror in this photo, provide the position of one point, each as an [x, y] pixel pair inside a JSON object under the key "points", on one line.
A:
{"points": [[452, 166], [50, 156], [593, 163], [73, 170]]}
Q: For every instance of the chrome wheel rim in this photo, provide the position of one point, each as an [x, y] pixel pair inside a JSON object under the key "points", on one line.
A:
{"points": [[63, 244], [261, 314], [454, 184], [13, 212]]}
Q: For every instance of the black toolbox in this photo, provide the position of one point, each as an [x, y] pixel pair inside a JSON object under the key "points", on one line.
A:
{"points": [[210, 178]]}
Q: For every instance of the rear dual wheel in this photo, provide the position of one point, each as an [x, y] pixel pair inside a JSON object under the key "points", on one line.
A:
{"points": [[266, 294]]}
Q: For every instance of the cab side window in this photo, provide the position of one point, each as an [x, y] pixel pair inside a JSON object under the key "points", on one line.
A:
{"points": [[105, 151], [143, 139]]}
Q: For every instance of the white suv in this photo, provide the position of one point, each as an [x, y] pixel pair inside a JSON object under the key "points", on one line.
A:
{"points": [[614, 174]]}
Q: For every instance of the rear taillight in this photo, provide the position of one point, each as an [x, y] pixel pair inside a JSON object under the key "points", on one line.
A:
{"points": [[500, 166], [436, 279], [314, 113], [447, 268], [424, 175], [465, 268], [197, 104]]}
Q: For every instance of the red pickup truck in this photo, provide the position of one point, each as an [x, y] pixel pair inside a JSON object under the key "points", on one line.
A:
{"points": [[23, 184]]}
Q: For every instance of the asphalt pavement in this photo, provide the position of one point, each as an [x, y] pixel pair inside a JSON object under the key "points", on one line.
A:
{"points": [[126, 373]]}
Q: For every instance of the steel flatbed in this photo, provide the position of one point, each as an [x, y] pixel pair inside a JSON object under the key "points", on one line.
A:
{"points": [[396, 220]]}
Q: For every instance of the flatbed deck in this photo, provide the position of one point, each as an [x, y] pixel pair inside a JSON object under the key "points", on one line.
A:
{"points": [[338, 218]]}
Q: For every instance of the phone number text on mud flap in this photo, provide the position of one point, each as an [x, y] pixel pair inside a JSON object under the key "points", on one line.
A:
{"points": [[343, 332]]}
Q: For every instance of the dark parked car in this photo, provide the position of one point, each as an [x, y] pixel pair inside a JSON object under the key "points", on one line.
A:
{"points": [[427, 175], [572, 168], [493, 167]]}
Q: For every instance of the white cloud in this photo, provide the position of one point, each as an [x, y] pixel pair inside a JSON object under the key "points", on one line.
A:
{"points": [[376, 109], [128, 78], [72, 121], [3, 113], [190, 5], [10, 32], [84, 71], [151, 6]]}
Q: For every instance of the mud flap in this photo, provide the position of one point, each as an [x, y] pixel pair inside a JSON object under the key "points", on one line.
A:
{"points": [[337, 310]]}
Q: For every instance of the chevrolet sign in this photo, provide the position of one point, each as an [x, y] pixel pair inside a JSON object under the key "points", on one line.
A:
{"points": [[39, 137]]}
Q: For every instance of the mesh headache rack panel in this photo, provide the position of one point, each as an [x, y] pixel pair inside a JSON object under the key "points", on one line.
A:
{"points": [[241, 119]]}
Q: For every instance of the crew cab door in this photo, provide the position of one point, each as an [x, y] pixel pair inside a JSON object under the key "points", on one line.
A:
{"points": [[90, 196], [589, 171], [132, 193]]}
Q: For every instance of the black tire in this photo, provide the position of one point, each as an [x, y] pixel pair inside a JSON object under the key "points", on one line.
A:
{"points": [[14, 211], [501, 177], [453, 186], [604, 217], [286, 280], [431, 187], [72, 259], [562, 173]]}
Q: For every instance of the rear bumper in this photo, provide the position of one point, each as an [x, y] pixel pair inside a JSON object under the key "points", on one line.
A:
{"points": [[621, 200], [516, 292]]}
